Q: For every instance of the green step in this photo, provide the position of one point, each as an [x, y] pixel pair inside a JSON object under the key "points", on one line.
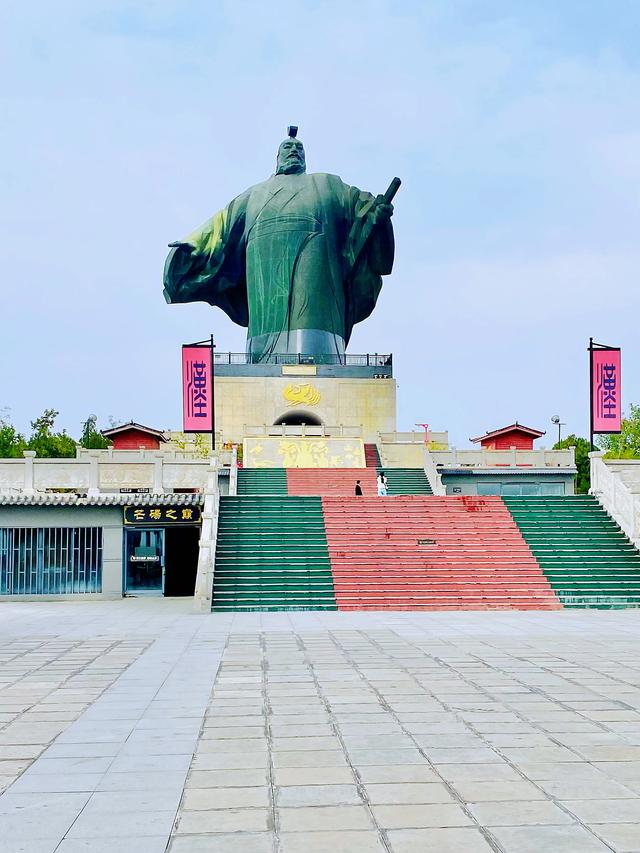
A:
{"points": [[584, 554], [271, 551], [262, 481], [406, 481]]}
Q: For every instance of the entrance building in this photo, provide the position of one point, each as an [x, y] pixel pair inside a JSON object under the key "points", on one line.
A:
{"points": [[108, 545]]}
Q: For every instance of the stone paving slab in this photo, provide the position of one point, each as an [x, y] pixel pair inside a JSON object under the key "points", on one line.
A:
{"points": [[46, 684], [406, 733], [114, 775], [139, 725]]}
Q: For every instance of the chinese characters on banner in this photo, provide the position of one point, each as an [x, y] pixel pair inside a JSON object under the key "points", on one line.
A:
{"points": [[162, 515], [606, 398], [197, 388]]}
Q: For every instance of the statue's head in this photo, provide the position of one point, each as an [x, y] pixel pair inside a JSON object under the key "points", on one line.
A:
{"points": [[291, 159]]}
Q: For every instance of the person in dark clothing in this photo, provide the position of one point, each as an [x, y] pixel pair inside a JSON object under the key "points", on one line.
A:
{"points": [[358, 488]]}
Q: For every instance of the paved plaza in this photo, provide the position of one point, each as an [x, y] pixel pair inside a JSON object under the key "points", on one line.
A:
{"points": [[136, 725]]}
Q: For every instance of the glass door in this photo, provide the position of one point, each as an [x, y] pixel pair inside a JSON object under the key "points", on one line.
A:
{"points": [[144, 552]]}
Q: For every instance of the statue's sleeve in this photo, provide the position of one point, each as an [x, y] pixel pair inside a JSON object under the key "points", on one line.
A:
{"points": [[363, 275], [209, 265]]}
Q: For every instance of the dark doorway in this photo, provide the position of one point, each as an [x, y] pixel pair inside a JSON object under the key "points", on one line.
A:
{"points": [[180, 560], [297, 418], [144, 561]]}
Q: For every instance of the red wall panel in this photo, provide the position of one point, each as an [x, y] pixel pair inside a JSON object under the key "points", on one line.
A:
{"points": [[134, 439]]}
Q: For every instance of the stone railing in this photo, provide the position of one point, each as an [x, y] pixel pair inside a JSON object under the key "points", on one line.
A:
{"points": [[98, 471], [407, 449], [440, 438], [433, 475], [233, 473], [482, 458], [168, 451], [203, 595], [311, 430], [616, 484]]}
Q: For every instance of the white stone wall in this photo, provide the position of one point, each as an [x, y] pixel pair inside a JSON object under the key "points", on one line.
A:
{"points": [[102, 471], [483, 458], [616, 484]]}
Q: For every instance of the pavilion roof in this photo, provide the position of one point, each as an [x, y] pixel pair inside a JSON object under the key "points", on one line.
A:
{"points": [[515, 427], [156, 433]]}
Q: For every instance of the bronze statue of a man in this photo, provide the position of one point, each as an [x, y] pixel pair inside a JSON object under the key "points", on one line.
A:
{"points": [[297, 258]]}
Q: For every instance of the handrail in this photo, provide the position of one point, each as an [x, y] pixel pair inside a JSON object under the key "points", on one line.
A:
{"points": [[106, 471], [433, 475], [208, 539], [347, 360], [616, 485], [513, 458]]}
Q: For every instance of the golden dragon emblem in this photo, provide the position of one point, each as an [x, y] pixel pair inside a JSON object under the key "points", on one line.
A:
{"points": [[301, 394]]}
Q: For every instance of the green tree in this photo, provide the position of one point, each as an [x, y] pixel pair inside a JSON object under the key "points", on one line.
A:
{"points": [[626, 444], [92, 439], [12, 442], [199, 443], [45, 442], [583, 477]]}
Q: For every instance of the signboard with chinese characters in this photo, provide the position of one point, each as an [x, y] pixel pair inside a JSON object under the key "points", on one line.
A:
{"points": [[162, 515], [606, 397], [197, 388]]}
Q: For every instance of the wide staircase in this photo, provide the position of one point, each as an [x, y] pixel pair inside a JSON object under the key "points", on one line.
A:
{"points": [[584, 554], [371, 456], [300, 539], [272, 555], [407, 481], [330, 481], [262, 481], [431, 553]]}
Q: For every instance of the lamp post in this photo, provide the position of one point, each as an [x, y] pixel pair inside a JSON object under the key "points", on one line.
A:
{"points": [[556, 420], [426, 433]]}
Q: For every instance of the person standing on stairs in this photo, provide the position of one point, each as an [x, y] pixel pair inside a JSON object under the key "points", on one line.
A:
{"points": [[358, 488], [382, 484]]}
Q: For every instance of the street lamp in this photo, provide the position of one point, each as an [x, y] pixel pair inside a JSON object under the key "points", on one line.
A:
{"points": [[556, 420]]}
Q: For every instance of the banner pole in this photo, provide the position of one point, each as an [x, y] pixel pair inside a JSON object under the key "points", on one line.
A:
{"points": [[213, 401], [591, 445]]}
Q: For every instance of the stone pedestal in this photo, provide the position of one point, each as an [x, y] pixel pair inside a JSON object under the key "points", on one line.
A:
{"points": [[345, 402]]}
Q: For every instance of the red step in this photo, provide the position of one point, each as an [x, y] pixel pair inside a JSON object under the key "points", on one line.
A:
{"points": [[331, 481], [415, 552], [371, 456]]}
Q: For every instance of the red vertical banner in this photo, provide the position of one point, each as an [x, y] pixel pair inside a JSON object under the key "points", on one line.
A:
{"points": [[197, 388], [606, 396]]}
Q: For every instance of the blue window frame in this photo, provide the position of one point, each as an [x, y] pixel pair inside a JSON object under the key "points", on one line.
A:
{"points": [[50, 560]]}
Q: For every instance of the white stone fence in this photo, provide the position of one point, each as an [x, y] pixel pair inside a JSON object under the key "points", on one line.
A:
{"points": [[313, 430], [433, 475], [483, 458], [616, 484], [233, 473], [415, 437], [97, 471], [203, 595]]}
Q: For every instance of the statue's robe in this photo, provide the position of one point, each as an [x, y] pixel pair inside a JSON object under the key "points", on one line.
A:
{"points": [[279, 259]]}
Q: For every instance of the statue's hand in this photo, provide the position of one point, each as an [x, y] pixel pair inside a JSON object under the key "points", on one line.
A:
{"points": [[179, 244], [382, 212]]}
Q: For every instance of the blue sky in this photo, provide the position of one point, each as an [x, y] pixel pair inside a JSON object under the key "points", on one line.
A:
{"points": [[515, 127]]}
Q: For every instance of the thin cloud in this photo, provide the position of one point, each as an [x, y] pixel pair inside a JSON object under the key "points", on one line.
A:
{"points": [[514, 130]]}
